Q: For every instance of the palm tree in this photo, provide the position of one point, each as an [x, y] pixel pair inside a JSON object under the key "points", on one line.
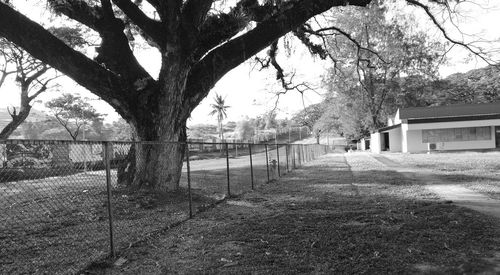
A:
{"points": [[219, 108]]}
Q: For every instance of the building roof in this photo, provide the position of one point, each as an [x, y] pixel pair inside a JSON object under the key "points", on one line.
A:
{"points": [[457, 110]]}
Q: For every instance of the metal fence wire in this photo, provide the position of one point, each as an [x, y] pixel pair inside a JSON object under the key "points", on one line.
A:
{"points": [[63, 204]]}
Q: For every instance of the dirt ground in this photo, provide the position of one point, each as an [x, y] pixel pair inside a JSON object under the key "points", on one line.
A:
{"points": [[332, 216]]}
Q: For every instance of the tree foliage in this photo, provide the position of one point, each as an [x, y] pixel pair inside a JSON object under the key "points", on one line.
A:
{"points": [[73, 113], [219, 108], [244, 130], [380, 54], [309, 117], [475, 86]]}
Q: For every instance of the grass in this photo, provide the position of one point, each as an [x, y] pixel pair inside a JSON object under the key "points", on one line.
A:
{"points": [[337, 216], [477, 171], [59, 224], [59, 229]]}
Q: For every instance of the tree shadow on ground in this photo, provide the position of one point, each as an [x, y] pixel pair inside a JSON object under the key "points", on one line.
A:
{"points": [[294, 226], [356, 235]]}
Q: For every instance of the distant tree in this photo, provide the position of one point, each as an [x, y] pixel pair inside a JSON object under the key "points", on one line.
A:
{"points": [[203, 131], [73, 113], [244, 130], [270, 120], [308, 118], [46, 129], [329, 121], [219, 108], [120, 130], [32, 75], [475, 86]]}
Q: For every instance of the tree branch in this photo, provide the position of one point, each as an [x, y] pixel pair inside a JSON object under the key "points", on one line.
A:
{"points": [[196, 11], [172, 11], [37, 74], [229, 55], [78, 10], [152, 28], [427, 10], [28, 34]]}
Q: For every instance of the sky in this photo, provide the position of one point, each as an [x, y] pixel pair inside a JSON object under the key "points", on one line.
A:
{"points": [[250, 92]]}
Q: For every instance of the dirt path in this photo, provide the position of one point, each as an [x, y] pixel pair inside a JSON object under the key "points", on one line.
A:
{"points": [[321, 219], [446, 190]]}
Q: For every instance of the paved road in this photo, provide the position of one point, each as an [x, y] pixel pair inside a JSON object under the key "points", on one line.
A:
{"points": [[243, 161]]}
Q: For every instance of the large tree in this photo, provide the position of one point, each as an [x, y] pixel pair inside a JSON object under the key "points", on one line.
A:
{"points": [[198, 46], [376, 56]]}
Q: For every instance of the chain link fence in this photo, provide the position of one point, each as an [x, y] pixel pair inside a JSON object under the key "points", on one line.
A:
{"points": [[64, 205]]}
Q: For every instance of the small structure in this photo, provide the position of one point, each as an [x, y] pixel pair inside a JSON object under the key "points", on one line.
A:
{"points": [[453, 127], [364, 144]]}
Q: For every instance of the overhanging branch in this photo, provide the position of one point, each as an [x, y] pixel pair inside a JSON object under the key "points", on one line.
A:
{"points": [[22, 31], [152, 28], [229, 55], [477, 52]]}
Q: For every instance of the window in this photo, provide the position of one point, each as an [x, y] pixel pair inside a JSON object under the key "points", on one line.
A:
{"points": [[456, 134]]}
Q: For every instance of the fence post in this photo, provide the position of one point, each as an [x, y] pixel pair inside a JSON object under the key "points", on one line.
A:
{"points": [[84, 157], [108, 151], [188, 167], [227, 171], [278, 159], [300, 155], [287, 156], [251, 162], [267, 163]]}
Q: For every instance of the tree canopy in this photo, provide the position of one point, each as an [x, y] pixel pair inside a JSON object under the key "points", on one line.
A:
{"points": [[73, 113]]}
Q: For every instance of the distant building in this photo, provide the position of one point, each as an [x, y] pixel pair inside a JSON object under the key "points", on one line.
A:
{"points": [[453, 127]]}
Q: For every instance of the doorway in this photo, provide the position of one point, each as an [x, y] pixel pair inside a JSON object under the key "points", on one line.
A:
{"points": [[497, 136], [386, 146]]}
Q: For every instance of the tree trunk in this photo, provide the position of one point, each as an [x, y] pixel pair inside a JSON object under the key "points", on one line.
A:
{"points": [[160, 134], [158, 162], [17, 119], [158, 165]]}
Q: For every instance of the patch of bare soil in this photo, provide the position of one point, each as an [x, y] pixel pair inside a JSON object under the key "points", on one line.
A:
{"points": [[315, 220]]}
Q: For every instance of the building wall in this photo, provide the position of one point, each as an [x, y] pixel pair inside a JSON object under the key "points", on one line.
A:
{"points": [[404, 138], [375, 143], [454, 124], [414, 141], [414, 137], [395, 140]]}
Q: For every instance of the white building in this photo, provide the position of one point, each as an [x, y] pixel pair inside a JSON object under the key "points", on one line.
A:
{"points": [[453, 127]]}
